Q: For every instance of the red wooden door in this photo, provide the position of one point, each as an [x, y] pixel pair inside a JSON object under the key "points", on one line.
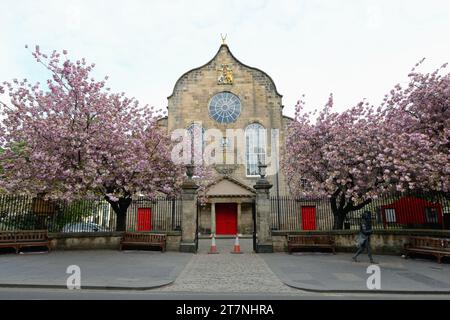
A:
{"points": [[226, 218], [144, 219], [309, 218]]}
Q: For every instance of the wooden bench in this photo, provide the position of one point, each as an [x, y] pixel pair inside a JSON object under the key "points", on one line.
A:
{"points": [[8, 240], [438, 247], [24, 238], [310, 242], [143, 240]]}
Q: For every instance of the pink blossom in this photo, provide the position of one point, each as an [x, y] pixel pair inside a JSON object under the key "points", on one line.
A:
{"points": [[364, 152], [76, 140]]}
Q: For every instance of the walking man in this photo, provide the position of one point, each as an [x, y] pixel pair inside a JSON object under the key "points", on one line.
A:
{"points": [[363, 239]]}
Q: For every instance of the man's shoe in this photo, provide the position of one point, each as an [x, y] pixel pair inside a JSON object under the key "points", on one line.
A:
{"points": [[373, 261], [354, 259]]}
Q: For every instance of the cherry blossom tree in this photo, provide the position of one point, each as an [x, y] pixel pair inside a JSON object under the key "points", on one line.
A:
{"points": [[355, 156], [77, 139], [417, 117], [334, 157]]}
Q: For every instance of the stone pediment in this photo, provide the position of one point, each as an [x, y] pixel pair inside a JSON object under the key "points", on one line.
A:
{"points": [[229, 187]]}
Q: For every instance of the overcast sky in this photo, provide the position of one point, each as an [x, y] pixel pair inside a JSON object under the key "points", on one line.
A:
{"points": [[355, 49]]}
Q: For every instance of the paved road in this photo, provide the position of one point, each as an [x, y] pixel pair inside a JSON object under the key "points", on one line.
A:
{"points": [[64, 294]]}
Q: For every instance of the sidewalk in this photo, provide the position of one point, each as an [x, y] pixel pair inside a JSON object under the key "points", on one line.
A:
{"points": [[323, 272], [224, 272], [100, 269]]}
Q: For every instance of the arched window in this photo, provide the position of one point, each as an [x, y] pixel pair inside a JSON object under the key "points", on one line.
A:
{"points": [[255, 148], [197, 142]]}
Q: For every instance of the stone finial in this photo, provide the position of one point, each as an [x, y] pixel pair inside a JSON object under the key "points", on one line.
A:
{"points": [[189, 184], [224, 38], [262, 183], [190, 170], [262, 169]]}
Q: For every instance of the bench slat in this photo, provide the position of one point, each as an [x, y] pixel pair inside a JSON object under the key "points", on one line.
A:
{"points": [[310, 241], [143, 239], [24, 238], [439, 247]]}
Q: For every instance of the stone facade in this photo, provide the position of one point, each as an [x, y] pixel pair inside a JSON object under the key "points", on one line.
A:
{"points": [[260, 103]]}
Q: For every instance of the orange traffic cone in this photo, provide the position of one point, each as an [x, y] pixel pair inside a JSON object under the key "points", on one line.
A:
{"points": [[213, 248], [237, 247]]}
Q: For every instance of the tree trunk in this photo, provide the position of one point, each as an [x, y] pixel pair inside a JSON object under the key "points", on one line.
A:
{"points": [[120, 207], [339, 218], [337, 202], [340, 206], [121, 220]]}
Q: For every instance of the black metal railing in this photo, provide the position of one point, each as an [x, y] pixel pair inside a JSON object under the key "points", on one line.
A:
{"points": [[396, 211], [164, 212], [23, 212]]}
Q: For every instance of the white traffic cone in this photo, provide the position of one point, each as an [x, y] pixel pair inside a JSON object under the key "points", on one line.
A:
{"points": [[213, 248], [237, 247]]}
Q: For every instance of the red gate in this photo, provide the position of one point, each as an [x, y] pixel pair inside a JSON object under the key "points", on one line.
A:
{"points": [[226, 218], [309, 218], [144, 219]]}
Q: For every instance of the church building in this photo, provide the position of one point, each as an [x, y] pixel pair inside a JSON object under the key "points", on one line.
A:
{"points": [[226, 94]]}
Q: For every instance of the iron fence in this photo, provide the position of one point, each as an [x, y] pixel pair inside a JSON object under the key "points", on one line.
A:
{"points": [[158, 214], [23, 212], [396, 211]]}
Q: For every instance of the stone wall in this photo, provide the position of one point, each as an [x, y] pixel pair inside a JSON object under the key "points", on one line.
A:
{"points": [[173, 242], [382, 241], [246, 226], [259, 98], [204, 219], [101, 240]]}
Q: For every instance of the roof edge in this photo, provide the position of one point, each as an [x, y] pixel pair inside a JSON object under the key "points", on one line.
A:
{"points": [[194, 69], [237, 60]]}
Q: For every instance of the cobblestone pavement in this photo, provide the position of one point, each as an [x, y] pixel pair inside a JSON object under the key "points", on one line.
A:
{"points": [[226, 272], [225, 245]]}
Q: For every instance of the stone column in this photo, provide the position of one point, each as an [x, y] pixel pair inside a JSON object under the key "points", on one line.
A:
{"points": [[188, 214], [264, 235], [213, 217], [239, 224]]}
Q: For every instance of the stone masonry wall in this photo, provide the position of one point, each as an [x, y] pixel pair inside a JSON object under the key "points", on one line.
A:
{"points": [[382, 241], [259, 99], [107, 240]]}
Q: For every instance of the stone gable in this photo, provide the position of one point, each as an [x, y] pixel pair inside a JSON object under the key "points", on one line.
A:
{"points": [[260, 101]]}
